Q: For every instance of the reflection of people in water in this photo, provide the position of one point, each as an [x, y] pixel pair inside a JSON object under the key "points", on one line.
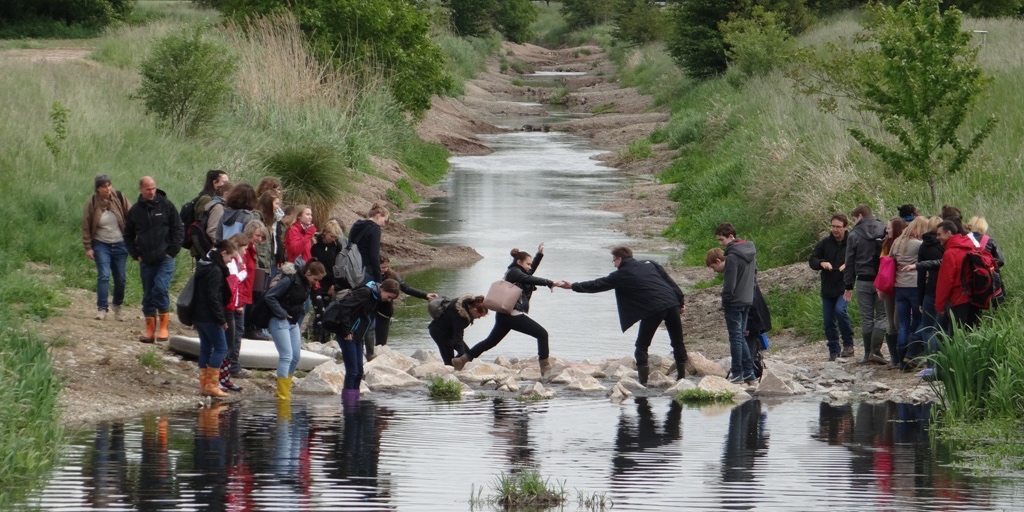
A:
{"points": [[637, 442], [208, 454], [155, 476], [106, 466], [835, 423], [239, 472], [357, 450], [512, 423], [745, 442]]}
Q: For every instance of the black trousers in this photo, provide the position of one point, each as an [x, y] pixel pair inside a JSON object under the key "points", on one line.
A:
{"points": [[649, 325], [505, 323], [448, 347]]}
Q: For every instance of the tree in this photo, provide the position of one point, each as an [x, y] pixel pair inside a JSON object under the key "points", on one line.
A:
{"points": [[585, 13], [696, 44], [86, 12], [638, 21], [472, 17], [918, 76], [513, 19]]}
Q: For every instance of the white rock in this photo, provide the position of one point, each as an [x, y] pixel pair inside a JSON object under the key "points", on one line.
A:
{"points": [[478, 372], [798, 389], [619, 393], [716, 384], [510, 385], [538, 389], [568, 375], [741, 397], [772, 385], [622, 372], [382, 377], [680, 386], [426, 356], [503, 361], [327, 378], [529, 373], [839, 396], [875, 387], [697, 364], [659, 380], [430, 369], [386, 357], [586, 383], [631, 384], [658, 362]]}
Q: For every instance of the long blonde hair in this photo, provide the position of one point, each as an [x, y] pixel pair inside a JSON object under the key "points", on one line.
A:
{"points": [[915, 230]]}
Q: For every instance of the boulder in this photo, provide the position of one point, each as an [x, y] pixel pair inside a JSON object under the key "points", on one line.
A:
{"points": [[503, 361], [530, 373], [697, 364], [874, 387], [619, 393], [326, 379], [509, 385], [479, 372], [383, 377], [621, 372], [631, 384], [425, 356], [613, 364], [430, 369], [680, 386], [659, 380], [772, 385], [741, 397], [538, 389], [586, 383], [716, 384], [660, 363], [798, 389], [328, 349], [391, 359], [568, 375]]}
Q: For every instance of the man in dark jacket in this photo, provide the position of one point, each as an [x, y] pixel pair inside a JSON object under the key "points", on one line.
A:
{"points": [[643, 292], [863, 248], [829, 258], [737, 296], [153, 235]]}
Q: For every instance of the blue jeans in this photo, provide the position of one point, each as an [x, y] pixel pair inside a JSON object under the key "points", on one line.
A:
{"points": [[352, 355], [289, 345], [929, 324], [908, 315], [837, 323], [156, 280], [111, 261], [736, 323], [213, 344]]}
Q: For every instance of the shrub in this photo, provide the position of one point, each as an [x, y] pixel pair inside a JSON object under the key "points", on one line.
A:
{"points": [[513, 19], [585, 13], [443, 389], [638, 21], [186, 81], [310, 173], [94, 13], [757, 45]]}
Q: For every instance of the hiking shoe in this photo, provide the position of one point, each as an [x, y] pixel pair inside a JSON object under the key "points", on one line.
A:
{"points": [[832, 357], [118, 315], [750, 379], [877, 359], [847, 351], [736, 379], [101, 314]]}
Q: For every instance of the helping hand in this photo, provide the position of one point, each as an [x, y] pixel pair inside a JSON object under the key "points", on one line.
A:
{"points": [[431, 296], [540, 248]]}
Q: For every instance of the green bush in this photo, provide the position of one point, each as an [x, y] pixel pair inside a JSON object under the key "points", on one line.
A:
{"points": [[586, 13], [638, 21], [514, 18], [311, 174], [699, 396], [90, 13], [696, 44], [444, 389], [757, 45], [186, 81]]}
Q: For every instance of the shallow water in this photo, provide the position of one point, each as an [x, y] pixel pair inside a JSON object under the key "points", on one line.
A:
{"points": [[409, 453]]}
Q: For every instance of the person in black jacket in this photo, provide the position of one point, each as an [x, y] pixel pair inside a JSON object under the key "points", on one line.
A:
{"points": [[448, 330], [863, 249], [286, 300], [520, 273], [326, 246], [829, 258], [153, 235], [211, 297], [366, 233], [356, 317], [382, 327], [644, 292], [759, 322]]}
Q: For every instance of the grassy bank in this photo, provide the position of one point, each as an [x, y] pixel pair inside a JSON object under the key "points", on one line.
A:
{"points": [[282, 102]]}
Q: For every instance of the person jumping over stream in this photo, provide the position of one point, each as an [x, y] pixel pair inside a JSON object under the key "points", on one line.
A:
{"points": [[520, 272], [644, 293]]}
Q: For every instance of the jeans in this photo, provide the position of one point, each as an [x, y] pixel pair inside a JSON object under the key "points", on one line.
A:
{"points": [[156, 280], [236, 326], [909, 314], [872, 310], [929, 324], [837, 323], [212, 344], [111, 261], [288, 341], [649, 325], [352, 356], [736, 323], [502, 325]]}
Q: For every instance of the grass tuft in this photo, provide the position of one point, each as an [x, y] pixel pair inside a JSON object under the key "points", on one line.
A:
{"points": [[444, 389], [151, 359], [703, 397]]}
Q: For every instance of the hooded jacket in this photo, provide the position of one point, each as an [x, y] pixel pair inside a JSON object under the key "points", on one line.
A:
{"points": [[358, 311], [929, 259], [212, 292], [642, 288], [287, 298], [740, 273], [365, 233], [299, 242], [949, 285], [451, 325], [863, 249], [526, 281], [833, 251], [153, 229]]}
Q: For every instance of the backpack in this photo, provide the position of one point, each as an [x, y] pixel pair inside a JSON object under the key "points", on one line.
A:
{"points": [[259, 315], [195, 232], [188, 216], [183, 304], [437, 306], [978, 277], [349, 264], [233, 222]]}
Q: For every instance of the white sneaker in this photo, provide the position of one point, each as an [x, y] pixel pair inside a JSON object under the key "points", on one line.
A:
{"points": [[101, 315], [117, 314]]}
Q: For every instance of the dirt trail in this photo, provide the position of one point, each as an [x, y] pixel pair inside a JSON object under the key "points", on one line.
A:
{"points": [[100, 361]]}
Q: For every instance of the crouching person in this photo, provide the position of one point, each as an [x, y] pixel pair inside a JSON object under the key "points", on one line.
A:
{"points": [[448, 330], [355, 319]]}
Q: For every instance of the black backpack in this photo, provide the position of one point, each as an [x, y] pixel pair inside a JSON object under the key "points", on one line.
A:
{"points": [[195, 232], [188, 216], [437, 306]]}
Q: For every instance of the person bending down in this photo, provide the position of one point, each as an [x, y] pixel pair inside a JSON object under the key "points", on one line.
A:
{"points": [[448, 329]]}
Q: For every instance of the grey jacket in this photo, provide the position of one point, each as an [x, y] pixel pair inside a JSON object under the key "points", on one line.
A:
{"points": [[740, 271], [863, 247]]}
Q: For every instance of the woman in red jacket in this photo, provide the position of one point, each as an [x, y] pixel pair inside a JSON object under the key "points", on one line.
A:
{"points": [[299, 240], [951, 301]]}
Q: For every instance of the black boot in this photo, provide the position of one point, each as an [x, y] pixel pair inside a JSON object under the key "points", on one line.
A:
{"points": [[643, 370], [681, 368], [895, 357], [867, 348]]}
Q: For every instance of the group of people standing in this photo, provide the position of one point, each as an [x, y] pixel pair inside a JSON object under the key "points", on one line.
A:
{"points": [[928, 295]]}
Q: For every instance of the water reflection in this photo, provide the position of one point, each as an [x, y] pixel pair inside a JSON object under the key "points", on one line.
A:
{"points": [[745, 442], [512, 430]]}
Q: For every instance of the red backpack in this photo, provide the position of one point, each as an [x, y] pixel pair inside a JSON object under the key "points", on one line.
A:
{"points": [[978, 277]]}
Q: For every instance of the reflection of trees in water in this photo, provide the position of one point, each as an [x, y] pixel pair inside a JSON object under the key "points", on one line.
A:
{"points": [[512, 425], [891, 450], [638, 443], [745, 442]]}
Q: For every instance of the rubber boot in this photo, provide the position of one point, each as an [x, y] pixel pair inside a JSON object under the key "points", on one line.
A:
{"points": [[209, 421], [202, 382], [150, 335], [164, 334], [212, 387], [643, 371], [877, 339], [284, 410], [350, 399], [545, 367], [224, 377], [902, 362], [460, 362], [681, 368], [867, 349], [284, 388], [895, 357]]}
